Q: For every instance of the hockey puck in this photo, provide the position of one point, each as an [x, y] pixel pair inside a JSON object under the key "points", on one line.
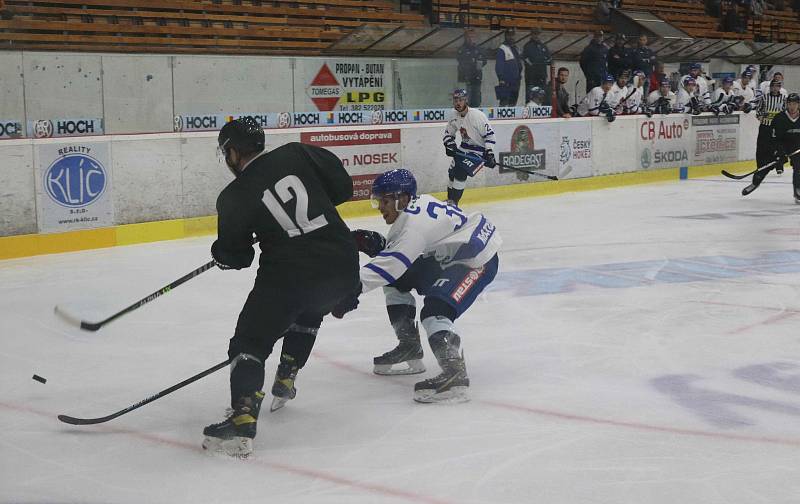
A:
{"points": [[39, 378]]}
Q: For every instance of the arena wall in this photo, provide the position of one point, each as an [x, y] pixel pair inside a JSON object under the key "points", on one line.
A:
{"points": [[173, 178]]}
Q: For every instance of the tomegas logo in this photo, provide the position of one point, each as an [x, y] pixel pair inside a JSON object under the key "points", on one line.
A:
{"points": [[75, 179]]}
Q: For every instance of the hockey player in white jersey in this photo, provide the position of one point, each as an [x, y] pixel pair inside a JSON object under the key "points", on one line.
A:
{"points": [[477, 138], [743, 86], [599, 100], [619, 93], [723, 100], [764, 87], [662, 100], [702, 84], [633, 103], [442, 253], [687, 99]]}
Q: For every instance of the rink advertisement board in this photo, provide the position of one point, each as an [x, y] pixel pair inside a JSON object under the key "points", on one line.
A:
{"points": [[575, 149], [664, 142], [349, 85], [11, 128], [715, 138], [364, 153], [53, 128], [73, 186], [531, 147]]}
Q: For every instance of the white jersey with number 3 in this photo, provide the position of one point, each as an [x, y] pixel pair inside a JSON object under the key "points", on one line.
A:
{"points": [[429, 227]]}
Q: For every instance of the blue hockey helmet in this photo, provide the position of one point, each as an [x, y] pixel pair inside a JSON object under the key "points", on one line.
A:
{"points": [[460, 93], [398, 181]]}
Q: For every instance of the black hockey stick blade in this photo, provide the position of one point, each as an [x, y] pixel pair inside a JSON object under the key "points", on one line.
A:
{"points": [[91, 421], [94, 326], [761, 168], [737, 177], [507, 167]]}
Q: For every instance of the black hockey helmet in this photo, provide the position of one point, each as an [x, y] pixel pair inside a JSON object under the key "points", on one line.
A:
{"points": [[243, 134], [793, 97]]}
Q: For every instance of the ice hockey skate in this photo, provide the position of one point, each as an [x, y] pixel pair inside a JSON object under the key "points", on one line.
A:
{"points": [[406, 357], [283, 389], [234, 435], [451, 385], [750, 188]]}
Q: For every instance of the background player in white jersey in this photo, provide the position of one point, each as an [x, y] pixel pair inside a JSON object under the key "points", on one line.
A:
{"points": [[619, 93], [477, 139], [767, 84], [743, 86], [723, 99], [598, 100], [661, 100], [687, 99], [633, 103], [702, 89], [447, 256]]}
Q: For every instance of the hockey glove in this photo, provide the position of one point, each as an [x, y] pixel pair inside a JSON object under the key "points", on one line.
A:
{"points": [[488, 159], [347, 304], [369, 242], [450, 148], [226, 260]]}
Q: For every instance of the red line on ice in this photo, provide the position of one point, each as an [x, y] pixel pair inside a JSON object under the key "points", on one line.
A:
{"points": [[296, 470], [594, 420]]}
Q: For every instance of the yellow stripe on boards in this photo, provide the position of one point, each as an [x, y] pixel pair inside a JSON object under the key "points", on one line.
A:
{"points": [[128, 234]]}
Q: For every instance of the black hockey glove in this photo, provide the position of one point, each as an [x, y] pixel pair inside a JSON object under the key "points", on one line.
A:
{"points": [[226, 260], [347, 304], [450, 148], [488, 159], [369, 242]]}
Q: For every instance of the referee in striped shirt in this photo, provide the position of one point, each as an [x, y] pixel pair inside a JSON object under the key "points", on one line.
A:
{"points": [[768, 106]]}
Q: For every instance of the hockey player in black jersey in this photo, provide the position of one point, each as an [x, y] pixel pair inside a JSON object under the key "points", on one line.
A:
{"points": [[786, 132], [287, 197]]}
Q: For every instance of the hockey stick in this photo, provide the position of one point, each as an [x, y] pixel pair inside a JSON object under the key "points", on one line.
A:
{"points": [[507, 167], [94, 326], [759, 169], [90, 421]]}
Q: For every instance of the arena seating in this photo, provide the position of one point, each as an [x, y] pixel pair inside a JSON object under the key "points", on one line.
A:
{"points": [[310, 26], [228, 26]]}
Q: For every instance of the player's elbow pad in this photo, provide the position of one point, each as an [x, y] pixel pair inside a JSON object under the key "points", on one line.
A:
{"points": [[233, 259]]}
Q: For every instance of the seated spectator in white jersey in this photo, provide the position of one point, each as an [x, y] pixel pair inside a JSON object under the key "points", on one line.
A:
{"points": [[686, 99], [661, 100], [765, 86], [744, 86], [702, 84], [534, 97], [597, 101], [722, 101]]}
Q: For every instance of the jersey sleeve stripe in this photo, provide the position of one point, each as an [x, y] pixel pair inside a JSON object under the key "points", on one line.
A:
{"points": [[397, 255], [380, 271]]}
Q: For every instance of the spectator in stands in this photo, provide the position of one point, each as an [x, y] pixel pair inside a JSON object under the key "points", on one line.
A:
{"points": [[603, 11], [470, 68], [619, 57], [537, 61], [643, 58], [593, 61], [562, 95], [508, 67]]}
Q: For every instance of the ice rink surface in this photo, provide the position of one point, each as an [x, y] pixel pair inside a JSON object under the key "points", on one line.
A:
{"points": [[640, 345]]}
